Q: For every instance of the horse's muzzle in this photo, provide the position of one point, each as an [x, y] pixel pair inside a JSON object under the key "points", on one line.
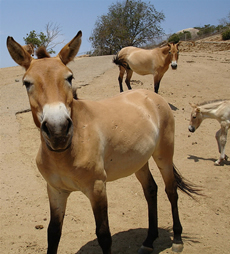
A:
{"points": [[57, 139], [174, 65], [57, 127], [191, 128]]}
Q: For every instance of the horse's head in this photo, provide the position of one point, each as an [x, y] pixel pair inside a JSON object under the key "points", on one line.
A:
{"points": [[174, 54], [196, 118], [48, 84]]}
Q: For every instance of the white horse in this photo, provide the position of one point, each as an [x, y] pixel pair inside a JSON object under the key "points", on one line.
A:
{"points": [[219, 110]]}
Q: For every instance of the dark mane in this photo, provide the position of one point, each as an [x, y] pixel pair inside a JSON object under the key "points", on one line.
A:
{"points": [[42, 53]]}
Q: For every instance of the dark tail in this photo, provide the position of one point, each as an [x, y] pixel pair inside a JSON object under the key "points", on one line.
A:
{"points": [[120, 62], [186, 186]]}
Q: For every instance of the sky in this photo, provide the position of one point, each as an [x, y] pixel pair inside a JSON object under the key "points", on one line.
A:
{"points": [[19, 17]]}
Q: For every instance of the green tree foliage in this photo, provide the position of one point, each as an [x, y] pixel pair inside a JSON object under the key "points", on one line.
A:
{"points": [[186, 35], [41, 39], [206, 30], [127, 23], [226, 35]]}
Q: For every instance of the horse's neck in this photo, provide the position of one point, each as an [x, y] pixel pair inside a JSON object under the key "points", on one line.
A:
{"points": [[209, 111], [165, 54]]}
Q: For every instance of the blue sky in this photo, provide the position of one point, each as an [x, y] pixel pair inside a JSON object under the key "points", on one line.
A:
{"points": [[19, 17]]}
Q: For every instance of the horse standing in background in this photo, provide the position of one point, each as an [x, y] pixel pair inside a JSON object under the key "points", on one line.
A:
{"points": [[146, 61], [219, 110]]}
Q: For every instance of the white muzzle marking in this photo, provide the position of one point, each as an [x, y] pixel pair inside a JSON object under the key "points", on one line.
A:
{"points": [[56, 126]]}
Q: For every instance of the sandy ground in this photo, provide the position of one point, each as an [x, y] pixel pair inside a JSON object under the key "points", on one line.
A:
{"points": [[201, 76]]}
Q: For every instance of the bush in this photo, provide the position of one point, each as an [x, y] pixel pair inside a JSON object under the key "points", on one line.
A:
{"points": [[226, 35], [174, 38]]}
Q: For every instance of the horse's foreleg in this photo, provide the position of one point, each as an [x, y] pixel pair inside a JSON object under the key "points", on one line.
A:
{"points": [[128, 78], [150, 191], [98, 199], [221, 138], [157, 81], [57, 199]]}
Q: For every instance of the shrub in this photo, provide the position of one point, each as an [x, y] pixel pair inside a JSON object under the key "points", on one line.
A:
{"points": [[226, 35], [174, 38]]}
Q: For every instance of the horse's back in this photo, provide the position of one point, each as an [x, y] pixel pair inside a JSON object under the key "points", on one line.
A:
{"points": [[141, 61]]}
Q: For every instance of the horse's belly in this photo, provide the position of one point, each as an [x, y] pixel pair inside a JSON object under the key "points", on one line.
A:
{"points": [[119, 164]]}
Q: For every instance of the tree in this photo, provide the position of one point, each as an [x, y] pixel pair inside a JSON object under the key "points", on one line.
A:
{"points": [[47, 40], [225, 21], [128, 23]]}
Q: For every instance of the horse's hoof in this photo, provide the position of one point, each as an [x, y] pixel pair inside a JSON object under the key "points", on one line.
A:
{"points": [[177, 247], [217, 163], [145, 250]]}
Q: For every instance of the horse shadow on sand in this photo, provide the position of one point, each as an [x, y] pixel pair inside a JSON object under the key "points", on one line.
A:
{"points": [[197, 158], [128, 242], [174, 108]]}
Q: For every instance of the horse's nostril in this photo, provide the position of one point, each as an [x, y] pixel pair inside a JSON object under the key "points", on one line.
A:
{"points": [[45, 128], [69, 126]]}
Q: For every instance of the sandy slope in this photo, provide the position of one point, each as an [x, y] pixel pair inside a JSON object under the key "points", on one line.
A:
{"points": [[201, 76]]}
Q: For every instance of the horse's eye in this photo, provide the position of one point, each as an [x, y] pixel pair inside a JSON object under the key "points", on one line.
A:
{"points": [[27, 84], [194, 117], [170, 52], [69, 79]]}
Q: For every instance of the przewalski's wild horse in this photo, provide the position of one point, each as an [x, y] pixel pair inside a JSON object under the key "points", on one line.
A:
{"points": [[85, 143], [219, 110], [146, 61]]}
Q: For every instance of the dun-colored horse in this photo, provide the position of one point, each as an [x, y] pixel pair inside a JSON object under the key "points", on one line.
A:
{"points": [[29, 48], [219, 110], [144, 61], [85, 143]]}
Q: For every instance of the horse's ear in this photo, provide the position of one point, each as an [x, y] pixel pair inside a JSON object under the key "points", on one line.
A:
{"points": [[192, 105], [197, 110], [19, 55], [178, 44], [70, 50]]}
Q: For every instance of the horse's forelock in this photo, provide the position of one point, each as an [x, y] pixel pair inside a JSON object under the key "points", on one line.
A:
{"points": [[42, 53]]}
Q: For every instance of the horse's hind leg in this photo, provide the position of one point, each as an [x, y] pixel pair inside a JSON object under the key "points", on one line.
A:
{"points": [[167, 171], [128, 77], [120, 78], [150, 191]]}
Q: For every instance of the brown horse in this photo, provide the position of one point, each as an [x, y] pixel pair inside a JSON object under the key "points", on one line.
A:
{"points": [[29, 48], [144, 61], [85, 143]]}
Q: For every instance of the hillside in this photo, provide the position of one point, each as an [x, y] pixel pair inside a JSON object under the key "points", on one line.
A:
{"points": [[209, 44]]}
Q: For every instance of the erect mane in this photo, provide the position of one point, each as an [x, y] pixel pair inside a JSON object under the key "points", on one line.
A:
{"points": [[42, 53], [210, 102]]}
